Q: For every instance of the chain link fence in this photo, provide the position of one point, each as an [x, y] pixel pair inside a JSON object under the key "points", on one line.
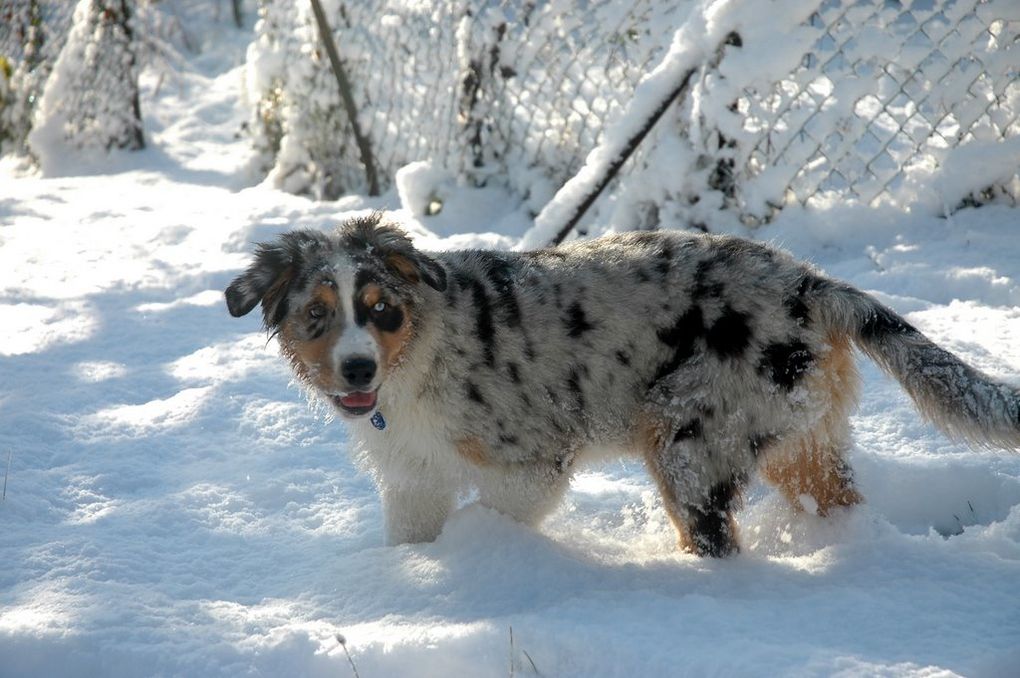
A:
{"points": [[886, 101], [883, 99], [508, 91]]}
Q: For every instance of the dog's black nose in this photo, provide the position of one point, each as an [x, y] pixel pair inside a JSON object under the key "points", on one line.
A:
{"points": [[358, 372]]}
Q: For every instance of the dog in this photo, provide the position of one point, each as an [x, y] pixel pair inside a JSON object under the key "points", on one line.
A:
{"points": [[711, 357]]}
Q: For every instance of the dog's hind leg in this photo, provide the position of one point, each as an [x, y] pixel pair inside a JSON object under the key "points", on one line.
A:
{"points": [[812, 475], [700, 488], [810, 469]]}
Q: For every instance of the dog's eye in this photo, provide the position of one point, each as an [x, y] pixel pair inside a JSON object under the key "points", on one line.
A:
{"points": [[379, 307], [317, 312]]}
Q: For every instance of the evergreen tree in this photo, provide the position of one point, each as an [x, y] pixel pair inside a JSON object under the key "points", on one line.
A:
{"points": [[91, 100]]}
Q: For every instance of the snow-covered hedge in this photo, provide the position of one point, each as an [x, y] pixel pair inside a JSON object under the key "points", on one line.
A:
{"points": [[91, 100], [70, 70], [31, 35]]}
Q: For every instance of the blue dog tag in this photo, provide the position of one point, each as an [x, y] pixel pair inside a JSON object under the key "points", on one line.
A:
{"points": [[378, 421]]}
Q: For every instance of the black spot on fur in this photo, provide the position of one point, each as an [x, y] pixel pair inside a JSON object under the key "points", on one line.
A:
{"points": [[508, 439], [529, 351], [729, 335], [473, 393], [512, 370], [665, 261], [451, 296], [485, 329], [622, 358], [681, 336], [759, 442], [786, 363], [363, 277], [641, 275], [796, 305], [574, 386], [704, 287], [389, 320], [710, 525], [684, 330], [499, 271], [576, 322], [692, 429]]}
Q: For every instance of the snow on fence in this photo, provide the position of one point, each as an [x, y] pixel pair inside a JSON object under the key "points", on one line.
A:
{"points": [[908, 102], [911, 103], [883, 99]]}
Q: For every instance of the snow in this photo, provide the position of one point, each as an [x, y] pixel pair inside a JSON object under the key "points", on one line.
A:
{"points": [[174, 506]]}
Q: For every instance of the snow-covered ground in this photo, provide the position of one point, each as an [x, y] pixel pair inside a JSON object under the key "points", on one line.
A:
{"points": [[174, 507]]}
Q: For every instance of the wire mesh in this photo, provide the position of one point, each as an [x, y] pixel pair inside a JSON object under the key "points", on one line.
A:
{"points": [[886, 91], [518, 92]]}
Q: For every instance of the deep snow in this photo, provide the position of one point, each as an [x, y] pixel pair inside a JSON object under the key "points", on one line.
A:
{"points": [[175, 508]]}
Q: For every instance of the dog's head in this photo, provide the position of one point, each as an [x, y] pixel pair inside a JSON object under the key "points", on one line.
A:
{"points": [[345, 306]]}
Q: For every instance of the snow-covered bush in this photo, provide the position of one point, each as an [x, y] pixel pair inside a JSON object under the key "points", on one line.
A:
{"points": [[31, 35], [91, 100], [299, 130]]}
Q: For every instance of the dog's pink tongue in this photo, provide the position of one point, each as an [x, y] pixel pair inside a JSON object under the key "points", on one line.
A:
{"points": [[358, 399]]}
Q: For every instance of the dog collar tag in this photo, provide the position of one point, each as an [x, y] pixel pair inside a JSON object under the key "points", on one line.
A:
{"points": [[378, 421]]}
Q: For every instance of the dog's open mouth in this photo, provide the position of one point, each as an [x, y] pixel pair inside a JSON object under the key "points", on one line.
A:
{"points": [[356, 403]]}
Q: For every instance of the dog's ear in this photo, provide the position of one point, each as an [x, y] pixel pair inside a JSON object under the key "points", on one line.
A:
{"points": [[391, 245], [269, 277], [414, 266]]}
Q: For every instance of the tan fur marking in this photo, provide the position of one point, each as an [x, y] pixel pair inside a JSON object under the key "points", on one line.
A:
{"points": [[327, 296], [474, 450], [371, 294], [312, 358], [813, 464], [403, 267]]}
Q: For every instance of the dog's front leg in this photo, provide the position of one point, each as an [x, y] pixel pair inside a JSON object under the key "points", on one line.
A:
{"points": [[415, 511], [526, 493]]}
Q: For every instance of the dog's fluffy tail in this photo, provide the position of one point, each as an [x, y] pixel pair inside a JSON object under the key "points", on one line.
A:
{"points": [[960, 400]]}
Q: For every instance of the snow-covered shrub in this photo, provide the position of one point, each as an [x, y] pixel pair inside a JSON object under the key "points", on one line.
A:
{"points": [[91, 100], [297, 126], [31, 34], [266, 70]]}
